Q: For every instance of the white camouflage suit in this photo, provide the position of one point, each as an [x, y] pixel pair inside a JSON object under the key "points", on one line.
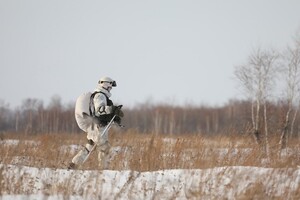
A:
{"points": [[92, 129]]}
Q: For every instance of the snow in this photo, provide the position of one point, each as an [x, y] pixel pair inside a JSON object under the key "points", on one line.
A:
{"points": [[229, 182], [9, 142]]}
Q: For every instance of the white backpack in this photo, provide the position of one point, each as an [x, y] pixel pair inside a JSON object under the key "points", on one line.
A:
{"points": [[83, 104]]}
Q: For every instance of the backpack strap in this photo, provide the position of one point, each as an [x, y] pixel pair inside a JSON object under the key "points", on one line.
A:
{"points": [[92, 106]]}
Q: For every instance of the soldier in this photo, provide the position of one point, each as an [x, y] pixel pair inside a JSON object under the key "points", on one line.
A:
{"points": [[93, 112]]}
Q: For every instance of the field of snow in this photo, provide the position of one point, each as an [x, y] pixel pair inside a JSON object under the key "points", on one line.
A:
{"points": [[21, 180], [216, 183]]}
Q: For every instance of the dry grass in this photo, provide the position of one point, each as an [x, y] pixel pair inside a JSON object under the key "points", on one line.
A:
{"points": [[149, 152]]}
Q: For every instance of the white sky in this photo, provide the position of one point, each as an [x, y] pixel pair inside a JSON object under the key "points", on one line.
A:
{"points": [[167, 51]]}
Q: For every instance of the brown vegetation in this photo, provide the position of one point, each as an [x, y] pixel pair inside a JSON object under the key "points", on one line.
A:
{"points": [[149, 152]]}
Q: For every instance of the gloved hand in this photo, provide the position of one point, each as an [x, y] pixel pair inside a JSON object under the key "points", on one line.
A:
{"points": [[117, 120], [117, 111]]}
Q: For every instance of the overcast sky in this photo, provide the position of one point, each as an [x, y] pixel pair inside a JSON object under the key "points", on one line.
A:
{"points": [[167, 51]]}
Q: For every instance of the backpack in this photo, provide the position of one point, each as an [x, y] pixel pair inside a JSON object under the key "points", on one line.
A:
{"points": [[85, 103]]}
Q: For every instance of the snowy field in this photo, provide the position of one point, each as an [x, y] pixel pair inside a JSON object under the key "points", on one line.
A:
{"points": [[19, 181], [216, 183]]}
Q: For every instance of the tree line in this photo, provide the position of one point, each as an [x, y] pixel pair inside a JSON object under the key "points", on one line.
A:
{"points": [[233, 117]]}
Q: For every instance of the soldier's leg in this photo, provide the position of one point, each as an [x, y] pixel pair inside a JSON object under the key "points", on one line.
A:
{"points": [[103, 155], [87, 125], [81, 155]]}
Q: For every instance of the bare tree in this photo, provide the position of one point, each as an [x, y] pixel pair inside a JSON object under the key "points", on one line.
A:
{"points": [[291, 68], [245, 76], [257, 78], [4, 114], [30, 107], [55, 109]]}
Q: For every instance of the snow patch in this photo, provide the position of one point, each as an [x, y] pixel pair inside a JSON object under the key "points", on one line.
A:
{"points": [[228, 182]]}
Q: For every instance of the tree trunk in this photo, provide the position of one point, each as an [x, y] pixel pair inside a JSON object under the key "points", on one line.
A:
{"points": [[283, 137], [267, 146]]}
